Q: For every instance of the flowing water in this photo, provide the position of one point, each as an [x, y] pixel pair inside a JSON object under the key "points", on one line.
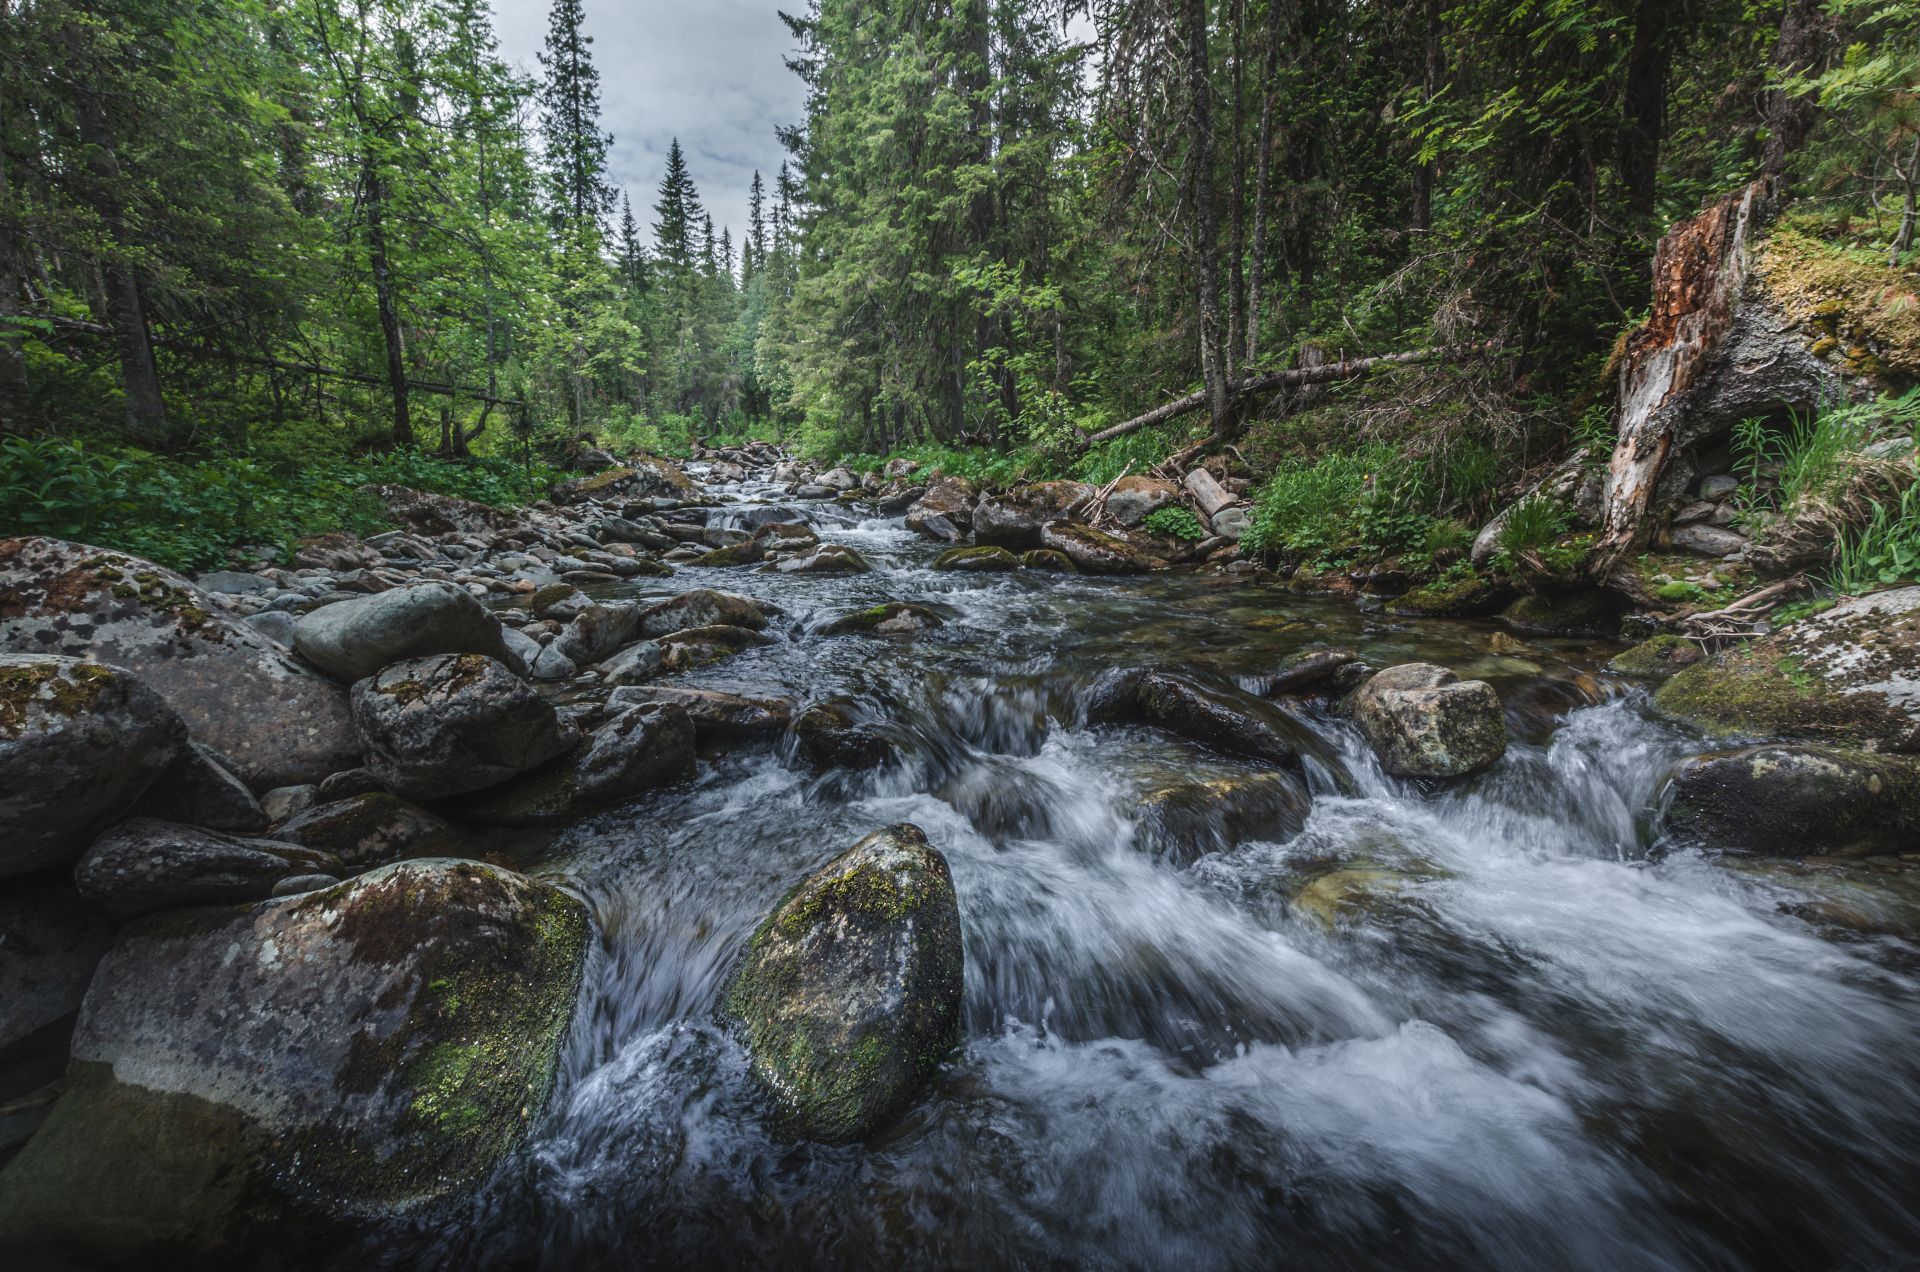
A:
{"points": [[1470, 1027]]}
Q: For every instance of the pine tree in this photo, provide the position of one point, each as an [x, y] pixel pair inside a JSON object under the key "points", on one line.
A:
{"points": [[570, 122], [754, 256], [677, 207], [633, 256]]}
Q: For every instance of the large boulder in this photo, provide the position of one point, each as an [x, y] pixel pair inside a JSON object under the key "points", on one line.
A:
{"points": [[372, 828], [642, 478], [353, 639], [850, 992], [701, 607], [948, 498], [895, 618], [1423, 721], [976, 560], [79, 745], [1014, 519], [698, 646], [250, 1085], [51, 939], [1796, 801], [145, 864], [1222, 717], [597, 631], [639, 750], [453, 723], [240, 693], [199, 788], [1095, 551], [827, 735], [1847, 677]]}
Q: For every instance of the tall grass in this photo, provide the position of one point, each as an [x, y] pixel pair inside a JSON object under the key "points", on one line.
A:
{"points": [[1883, 551]]}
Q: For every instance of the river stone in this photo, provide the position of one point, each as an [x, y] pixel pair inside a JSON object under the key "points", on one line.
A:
{"points": [[1221, 717], [934, 525], [250, 1085], [1590, 615], [698, 646], [716, 716], [1796, 801], [597, 631], [1467, 595], [645, 477], [145, 864], [200, 788], [827, 736], [51, 939], [828, 558], [1308, 670], [1048, 561], [1423, 721], [840, 479], [1014, 519], [1096, 552], [639, 750], [79, 745], [371, 829], [431, 514], [277, 626], [237, 691], [637, 662], [1708, 540], [453, 723], [1134, 499], [977, 560], [702, 607], [895, 618], [1187, 820], [949, 497], [849, 995]]}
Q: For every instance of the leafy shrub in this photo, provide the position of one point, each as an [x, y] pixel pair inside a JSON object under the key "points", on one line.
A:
{"points": [[1175, 523]]}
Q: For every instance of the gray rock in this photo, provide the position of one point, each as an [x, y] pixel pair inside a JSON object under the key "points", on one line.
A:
{"points": [[1718, 487], [199, 788], [1795, 801], [839, 479], [144, 865], [639, 750], [597, 631], [1232, 523], [361, 1055], [716, 716], [1888, 448], [297, 885], [277, 625], [700, 608], [51, 939], [553, 665], [637, 662], [827, 736], [79, 745], [354, 639], [283, 802], [1095, 551], [521, 649], [1423, 721], [233, 583], [1708, 540], [849, 996], [1134, 499], [237, 691], [371, 829], [1013, 519], [934, 525], [828, 558], [453, 723]]}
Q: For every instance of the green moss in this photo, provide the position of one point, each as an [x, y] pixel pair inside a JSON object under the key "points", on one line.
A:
{"points": [[1457, 594], [1747, 696], [51, 687], [976, 559], [1844, 298], [1661, 656]]}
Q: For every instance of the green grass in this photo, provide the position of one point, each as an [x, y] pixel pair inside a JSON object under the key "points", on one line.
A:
{"points": [[1882, 552]]}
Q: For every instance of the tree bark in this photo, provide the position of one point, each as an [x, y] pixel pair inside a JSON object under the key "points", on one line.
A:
{"points": [[1645, 107], [373, 192], [1789, 117], [1237, 207], [1206, 217], [1421, 219], [1263, 184]]}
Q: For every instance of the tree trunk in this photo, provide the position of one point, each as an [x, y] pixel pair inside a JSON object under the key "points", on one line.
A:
{"points": [[1421, 218], [14, 387], [1237, 208], [1263, 184], [1645, 107], [373, 192], [1206, 217], [1789, 118]]}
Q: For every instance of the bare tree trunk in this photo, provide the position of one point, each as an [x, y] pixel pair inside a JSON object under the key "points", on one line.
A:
{"points": [[373, 192], [1804, 34], [1645, 106], [1237, 209], [1263, 184], [1206, 217]]}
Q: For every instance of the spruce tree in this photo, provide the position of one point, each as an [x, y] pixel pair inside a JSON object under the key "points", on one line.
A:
{"points": [[754, 257], [576, 148], [677, 208]]}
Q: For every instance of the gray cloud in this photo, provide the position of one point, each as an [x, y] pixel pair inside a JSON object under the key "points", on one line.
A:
{"points": [[710, 73]]}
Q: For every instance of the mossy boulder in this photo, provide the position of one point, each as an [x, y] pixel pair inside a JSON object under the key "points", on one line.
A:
{"points": [[698, 646], [976, 560], [643, 477], [249, 1084], [1796, 801], [828, 558], [1424, 721], [1095, 551], [701, 607], [1185, 821], [1467, 595], [1584, 615], [1048, 560], [1658, 658], [79, 745], [895, 618], [1311, 670], [237, 691], [850, 992], [1847, 677], [1014, 518]]}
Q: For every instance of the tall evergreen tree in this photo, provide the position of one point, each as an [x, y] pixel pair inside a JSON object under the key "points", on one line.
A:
{"points": [[570, 121]]}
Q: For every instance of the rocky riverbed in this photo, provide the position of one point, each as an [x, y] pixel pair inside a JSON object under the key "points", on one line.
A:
{"points": [[758, 863]]}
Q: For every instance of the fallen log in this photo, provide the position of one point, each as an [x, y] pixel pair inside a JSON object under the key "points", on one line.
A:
{"points": [[1268, 381]]}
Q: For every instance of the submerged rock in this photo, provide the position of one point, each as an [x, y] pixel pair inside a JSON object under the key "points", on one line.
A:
{"points": [[828, 737], [144, 864], [716, 716], [979, 560], [248, 1082], [1593, 615], [1224, 718], [1796, 801], [1423, 721], [849, 995], [238, 692], [1186, 821], [1310, 669], [453, 723], [353, 639], [698, 646], [79, 745]]}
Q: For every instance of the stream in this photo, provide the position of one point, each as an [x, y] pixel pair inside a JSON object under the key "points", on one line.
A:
{"points": [[1475, 1026]]}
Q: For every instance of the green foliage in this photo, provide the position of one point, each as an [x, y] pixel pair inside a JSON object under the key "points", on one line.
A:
{"points": [[187, 515], [1882, 552], [1175, 523], [1365, 503], [1532, 524]]}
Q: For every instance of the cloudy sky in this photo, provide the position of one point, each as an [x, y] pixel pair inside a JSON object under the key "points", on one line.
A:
{"points": [[706, 71]]}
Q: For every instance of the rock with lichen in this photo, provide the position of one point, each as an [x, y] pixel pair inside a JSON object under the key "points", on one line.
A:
{"points": [[1795, 801], [977, 560], [353, 639], [1096, 552], [1658, 658], [849, 994], [642, 477], [279, 722], [372, 828], [80, 744], [453, 723], [895, 618], [639, 749], [144, 865], [1424, 721], [247, 1082], [1184, 821]]}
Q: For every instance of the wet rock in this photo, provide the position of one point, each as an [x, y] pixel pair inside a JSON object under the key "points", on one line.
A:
{"points": [[827, 736], [700, 608], [1466, 595], [840, 479], [896, 618], [637, 662], [453, 723], [283, 802], [775, 539], [1308, 670], [1347, 892], [1591, 615], [51, 939], [1218, 716], [199, 788], [716, 716], [936, 526], [849, 995], [552, 664], [1096, 552], [1657, 658], [346, 785], [249, 1082], [1423, 721], [1184, 822], [638, 750], [697, 646], [1848, 677], [646, 477], [144, 865], [354, 639], [949, 497], [561, 601], [236, 690], [597, 631], [828, 558], [371, 829], [988, 560], [1796, 801], [1049, 561], [79, 745], [1134, 499], [1014, 519]]}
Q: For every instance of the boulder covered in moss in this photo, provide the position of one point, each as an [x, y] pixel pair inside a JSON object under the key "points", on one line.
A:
{"points": [[1424, 721], [701, 607], [829, 735], [717, 716], [250, 1084], [237, 691], [828, 558], [1469, 594], [976, 560], [1048, 561], [454, 723], [1796, 801], [1096, 552], [698, 646], [645, 477], [1014, 518], [895, 618], [640, 749], [79, 745], [849, 994], [1584, 615], [1847, 677], [1658, 658]]}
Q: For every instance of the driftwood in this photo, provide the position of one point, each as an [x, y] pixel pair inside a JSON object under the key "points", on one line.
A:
{"points": [[1268, 381], [1096, 508], [1743, 618]]}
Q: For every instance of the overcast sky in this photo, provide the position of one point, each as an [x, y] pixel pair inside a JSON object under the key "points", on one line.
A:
{"points": [[709, 72]]}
